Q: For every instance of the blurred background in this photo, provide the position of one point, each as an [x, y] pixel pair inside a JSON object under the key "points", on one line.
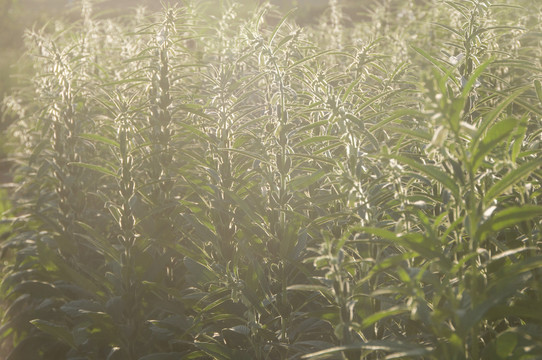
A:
{"points": [[17, 15]]}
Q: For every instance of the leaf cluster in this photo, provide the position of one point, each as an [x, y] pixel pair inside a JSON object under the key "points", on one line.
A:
{"points": [[196, 184]]}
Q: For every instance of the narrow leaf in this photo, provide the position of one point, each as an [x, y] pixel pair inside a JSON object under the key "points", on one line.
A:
{"points": [[59, 332], [200, 273], [308, 287], [392, 311], [538, 88], [280, 23], [519, 136], [94, 167], [475, 75], [416, 134], [494, 136], [389, 346], [492, 116], [316, 139], [309, 58], [302, 182], [511, 179], [511, 216], [394, 116], [163, 356], [216, 351], [433, 172], [99, 138], [436, 62]]}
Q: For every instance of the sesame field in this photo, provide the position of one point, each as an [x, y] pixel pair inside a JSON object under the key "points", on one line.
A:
{"points": [[210, 180]]}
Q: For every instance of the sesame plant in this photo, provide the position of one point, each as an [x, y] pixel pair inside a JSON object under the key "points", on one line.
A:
{"points": [[217, 182]]}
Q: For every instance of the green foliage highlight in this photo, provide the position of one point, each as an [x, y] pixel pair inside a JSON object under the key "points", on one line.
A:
{"points": [[217, 182]]}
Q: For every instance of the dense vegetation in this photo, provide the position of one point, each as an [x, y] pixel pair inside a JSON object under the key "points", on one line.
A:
{"points": [[217, 183]]}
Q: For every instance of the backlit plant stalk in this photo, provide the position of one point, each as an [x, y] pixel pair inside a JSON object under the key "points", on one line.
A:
{"points": [[222, 212], [66, 124], [160, 107], [160, 135], [222, 80], [130, 291], [280, 196]]}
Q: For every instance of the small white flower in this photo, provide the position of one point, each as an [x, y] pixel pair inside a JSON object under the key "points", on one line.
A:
{"points": [[464, 82], [456, 59], [162, 37]]}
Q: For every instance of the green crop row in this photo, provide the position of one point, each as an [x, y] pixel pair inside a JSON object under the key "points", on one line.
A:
{"points": [[215, 183]]}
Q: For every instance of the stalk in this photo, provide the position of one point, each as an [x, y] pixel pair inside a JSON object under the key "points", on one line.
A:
{"points": [[161, 133], [160, 119], [130, 286], [65, 131]]}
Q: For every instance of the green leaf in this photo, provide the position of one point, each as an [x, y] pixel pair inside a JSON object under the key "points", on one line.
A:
{"points": [[415, 134], [99, 243], [163, 356], [441, 66], [237, 336], [519, 137], [249, 154], [37, 289], [392, 311], [317, 139], [308, 287], [78, 308], [100, 138], [396, 348], [394, 116], [387, 263], [243, 204], [470, 317], [494, 114], [200, 273], [309, 58], [160, 289], [416, 242], [278, 26], [303, 181], [510, 217], [94, 167], [506, 343], [527, 310], [449, 28], [494, 136], [30, 348], [510, 280], [538, 88], [474, 76], [383, 233], [77, 275], [511, 179], [433, 172], [200, 134], [370, 101], [521, 267], [217, 351], [195, 109], [367, 133], [59, 332], [482, 30], [283, 41]]}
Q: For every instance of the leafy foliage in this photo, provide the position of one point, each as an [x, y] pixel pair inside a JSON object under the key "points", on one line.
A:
{"points": [[197, 184]]}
